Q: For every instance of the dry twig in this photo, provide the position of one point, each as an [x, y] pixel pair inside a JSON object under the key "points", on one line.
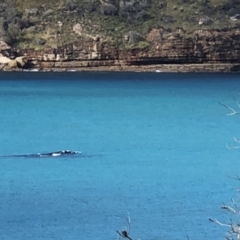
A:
{"points": [[126, 231], [233, 111]]}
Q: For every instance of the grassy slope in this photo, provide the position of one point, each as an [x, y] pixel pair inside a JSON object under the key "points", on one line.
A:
{"points": [[169, 14]]}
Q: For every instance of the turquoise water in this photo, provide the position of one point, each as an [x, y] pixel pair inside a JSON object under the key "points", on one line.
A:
{"points": [[155, 145]]}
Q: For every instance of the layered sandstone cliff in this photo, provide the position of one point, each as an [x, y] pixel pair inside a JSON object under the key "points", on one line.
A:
{"points": [[215, 48], [120, 35]]}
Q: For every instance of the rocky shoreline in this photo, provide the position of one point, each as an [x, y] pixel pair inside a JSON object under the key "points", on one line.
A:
{"points": [[158, 68], [168, 68], [202, 51], [136, 35], [164, 68]]}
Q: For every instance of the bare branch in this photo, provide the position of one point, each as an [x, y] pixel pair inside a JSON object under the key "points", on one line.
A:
{"points": [[128, 221], [229, 148], [236, 140], [119, 233], [236, 101], [235, 178], [235, 147], [125, 232], [219, 223], [235, 229], [234, 204], [233, 112], [230, 209]]}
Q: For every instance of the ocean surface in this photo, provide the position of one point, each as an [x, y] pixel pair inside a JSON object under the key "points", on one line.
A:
{"points": [[153, 145]]}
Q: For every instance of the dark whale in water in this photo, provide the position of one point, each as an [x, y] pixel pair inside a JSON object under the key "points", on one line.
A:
{"points": [[59, 153], [48, 154]]}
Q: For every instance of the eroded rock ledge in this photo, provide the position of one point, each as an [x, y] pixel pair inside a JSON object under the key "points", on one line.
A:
{"points": [[199, 51]]}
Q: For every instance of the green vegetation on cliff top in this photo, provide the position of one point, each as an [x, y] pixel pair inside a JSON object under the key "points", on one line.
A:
{"points": [[49, 23]]}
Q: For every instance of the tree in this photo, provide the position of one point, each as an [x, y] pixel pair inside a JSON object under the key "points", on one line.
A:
{"points": [[125, 231], [233, 208]]}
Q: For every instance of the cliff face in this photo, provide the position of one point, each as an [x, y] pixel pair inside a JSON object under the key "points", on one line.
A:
{"points": [[117, 34], [201, 47]]}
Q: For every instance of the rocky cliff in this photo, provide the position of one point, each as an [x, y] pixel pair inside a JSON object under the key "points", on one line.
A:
{"points": [[104, 35]]}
